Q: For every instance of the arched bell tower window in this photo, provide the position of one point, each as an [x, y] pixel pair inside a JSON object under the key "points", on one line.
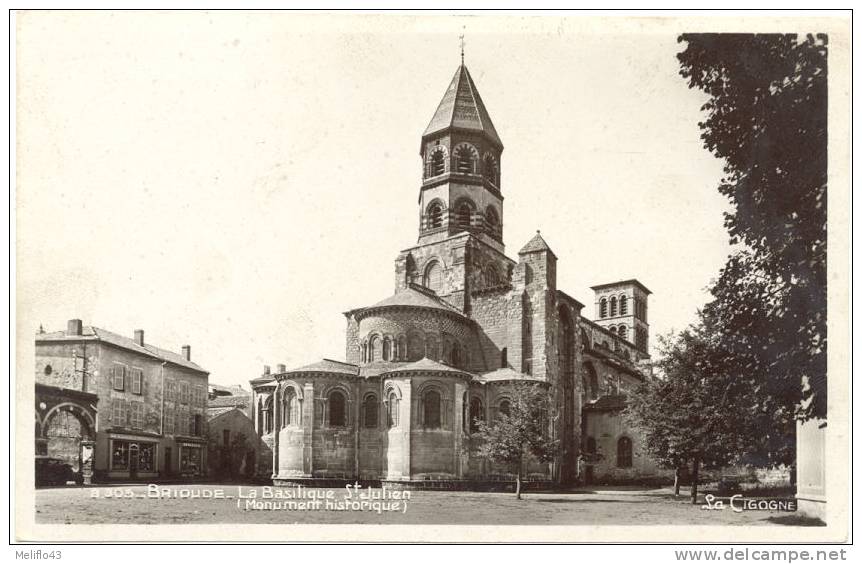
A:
{"points": [[438, 163], [433, 277], [603, 308], [613, 306], [490, 170], [434, 215], [464, 213], [624, 305], [492, 220], [465, 159], [623, 332]]}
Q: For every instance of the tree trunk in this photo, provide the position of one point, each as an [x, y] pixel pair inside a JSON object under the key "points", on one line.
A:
{"points": [[695, 467], [518, 480], [676, 474]]}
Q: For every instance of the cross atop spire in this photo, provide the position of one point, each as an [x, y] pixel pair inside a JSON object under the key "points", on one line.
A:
{"points": [[462, 49]]}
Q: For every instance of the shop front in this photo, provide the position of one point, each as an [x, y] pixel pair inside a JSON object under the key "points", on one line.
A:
{"points": [[192, 458], [133, 458]]}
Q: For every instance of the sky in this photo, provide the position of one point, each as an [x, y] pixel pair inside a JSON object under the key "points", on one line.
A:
{"points": [[235, 181]]}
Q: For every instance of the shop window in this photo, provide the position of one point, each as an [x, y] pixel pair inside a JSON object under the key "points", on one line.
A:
{"points": [[120, 456]]}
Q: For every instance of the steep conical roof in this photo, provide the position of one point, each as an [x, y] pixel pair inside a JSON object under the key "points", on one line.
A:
{"points": [[462, 108], [536, 244]]}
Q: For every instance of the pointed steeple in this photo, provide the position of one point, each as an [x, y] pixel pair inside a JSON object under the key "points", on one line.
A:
{"points": [[536, 244], [462, 108]]}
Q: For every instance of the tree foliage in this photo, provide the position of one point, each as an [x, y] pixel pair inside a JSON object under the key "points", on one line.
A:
{"points": [[766, 118], [510, 437], [697, 412]]}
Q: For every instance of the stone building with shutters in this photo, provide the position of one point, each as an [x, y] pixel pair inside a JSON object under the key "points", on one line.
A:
{"points": [[464, 322], [134, 411]]}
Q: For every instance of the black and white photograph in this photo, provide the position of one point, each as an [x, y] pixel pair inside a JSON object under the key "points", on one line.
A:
{"points": [[494, 276]]}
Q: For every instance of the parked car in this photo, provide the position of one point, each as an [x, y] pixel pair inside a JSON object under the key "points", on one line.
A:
{"points": [[52, 471]]}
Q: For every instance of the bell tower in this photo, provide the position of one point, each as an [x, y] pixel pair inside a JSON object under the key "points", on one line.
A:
{"points": [[461, 168]]}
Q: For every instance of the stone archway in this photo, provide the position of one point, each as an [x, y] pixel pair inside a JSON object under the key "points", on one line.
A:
{"points": [[66, 429]]}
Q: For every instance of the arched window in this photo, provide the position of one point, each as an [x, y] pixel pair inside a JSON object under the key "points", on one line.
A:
{"points": [[624, 452], [266, 417], [438, 163], [291, 408], [464, 157], [457, 355], [392, 413], [504, 407], [431, 350], [592, 382], [613, 306], [504, 357], [623, 332], [603, 308], [491, 276], [415, 347], [387, 349], [477, 413], [492, 219], [373, 348], [624, 305], [337, 409], [402, 348], [433, 278], [431, 409], [369, 412], [434, 216], [489, 170], [464, 214]]}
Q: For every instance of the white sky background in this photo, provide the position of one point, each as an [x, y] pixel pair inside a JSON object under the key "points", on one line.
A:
{"points": [[236, 181]]}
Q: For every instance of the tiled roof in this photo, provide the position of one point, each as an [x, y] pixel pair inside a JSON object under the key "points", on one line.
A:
{"points": [[263, 379], [230, 401], [503, 375], [536, 244], [632, 281], [90, 333], [614, 402], [413, 297], [462, 108], [378, 367], [213, 412], [427, 365], [327, 365]]}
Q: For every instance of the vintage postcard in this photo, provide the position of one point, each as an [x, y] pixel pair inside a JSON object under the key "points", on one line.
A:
{"points": [[431, 277]]}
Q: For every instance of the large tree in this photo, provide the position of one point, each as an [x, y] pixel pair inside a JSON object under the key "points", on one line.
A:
{"points": [[766, 119], [696, 412], [519, 432]]}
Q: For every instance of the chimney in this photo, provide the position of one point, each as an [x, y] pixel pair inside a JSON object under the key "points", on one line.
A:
{"points": [[187, 352], [266, 370], [139, 337], [280, 369], [75, 327]]}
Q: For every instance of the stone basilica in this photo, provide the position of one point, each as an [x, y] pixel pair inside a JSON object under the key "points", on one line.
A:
{"points": [[464, 322]]}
